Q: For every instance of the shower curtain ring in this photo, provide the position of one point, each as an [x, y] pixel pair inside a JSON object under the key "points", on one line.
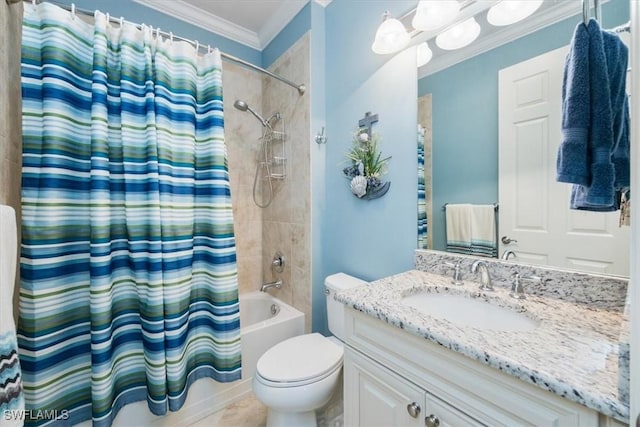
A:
{"points": [[171, 36], [197, 46], [73, 11], [121, 21]]}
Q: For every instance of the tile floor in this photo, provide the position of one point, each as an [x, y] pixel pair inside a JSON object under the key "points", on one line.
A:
{"points": [[249, 412]]}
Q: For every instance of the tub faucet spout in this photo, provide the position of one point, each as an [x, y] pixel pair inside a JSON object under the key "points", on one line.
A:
{"points": [[277, 284]]}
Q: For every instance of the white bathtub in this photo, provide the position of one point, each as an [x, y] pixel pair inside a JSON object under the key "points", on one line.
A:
{"points": [[260, 330]]}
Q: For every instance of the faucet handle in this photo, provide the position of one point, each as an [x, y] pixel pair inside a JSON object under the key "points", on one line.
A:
{"points": [[457, 273], [277, 264], [517, 289]]}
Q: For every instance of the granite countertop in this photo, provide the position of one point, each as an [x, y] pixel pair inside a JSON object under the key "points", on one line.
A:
{"points": [[573, 352]]}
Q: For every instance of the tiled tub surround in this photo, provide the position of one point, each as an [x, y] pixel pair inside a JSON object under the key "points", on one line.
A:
{"points": [[573, 352]]}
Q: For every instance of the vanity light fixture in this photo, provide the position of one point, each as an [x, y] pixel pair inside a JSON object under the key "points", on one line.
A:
{"points": [[434, 14], [424, 54], [508, 12], [391, 36], [458, 36]]}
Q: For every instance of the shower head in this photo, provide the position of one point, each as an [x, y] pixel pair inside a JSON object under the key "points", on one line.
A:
{"points": [[240, 105], [243, 106]]}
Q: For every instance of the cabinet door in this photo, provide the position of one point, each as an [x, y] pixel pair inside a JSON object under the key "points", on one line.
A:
{"points": [[377, 397]]}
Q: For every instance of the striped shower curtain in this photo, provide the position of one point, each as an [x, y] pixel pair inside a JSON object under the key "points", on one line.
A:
{"points": [[129, 282]]}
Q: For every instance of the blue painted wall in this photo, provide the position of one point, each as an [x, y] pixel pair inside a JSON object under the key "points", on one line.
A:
{"points": [[465, 120], [317, 92], [140, 14], [368, 239], [295, 29]]}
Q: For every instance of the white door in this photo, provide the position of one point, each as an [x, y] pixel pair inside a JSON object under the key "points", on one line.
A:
{"points": [[534, 208]]}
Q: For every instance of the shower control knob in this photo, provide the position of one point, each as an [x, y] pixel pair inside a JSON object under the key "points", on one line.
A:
{"points": [[277, 264], [413, 409]]}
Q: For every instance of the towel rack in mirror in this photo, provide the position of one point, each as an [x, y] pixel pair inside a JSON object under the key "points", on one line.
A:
{"points": [[495, 206], [597, 10]]}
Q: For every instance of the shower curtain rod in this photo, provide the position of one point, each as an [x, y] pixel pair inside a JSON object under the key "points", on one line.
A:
{"points": [[73, 9]]}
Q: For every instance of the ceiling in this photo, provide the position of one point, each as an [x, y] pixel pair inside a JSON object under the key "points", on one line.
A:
{"points": [[253, 23]]}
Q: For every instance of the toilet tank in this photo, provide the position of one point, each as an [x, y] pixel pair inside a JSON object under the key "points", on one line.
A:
{"points": [[335, 309]]}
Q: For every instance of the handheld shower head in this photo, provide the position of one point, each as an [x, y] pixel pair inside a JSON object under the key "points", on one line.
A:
{"points": [[240, 105], [243, 106]]}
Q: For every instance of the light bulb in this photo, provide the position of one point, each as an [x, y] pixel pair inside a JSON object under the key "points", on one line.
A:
{"points": [[424, 54], [459, 35], [511, 11], [433, 14], [391, 36]]}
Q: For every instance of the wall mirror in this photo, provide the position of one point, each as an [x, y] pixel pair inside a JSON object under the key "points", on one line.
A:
{"points": [[466, 111]]}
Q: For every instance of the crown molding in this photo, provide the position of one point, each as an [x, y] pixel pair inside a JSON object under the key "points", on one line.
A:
{"points": [[205, 20], [215, 24], [323, 3], [498, 38], [278, 21]]}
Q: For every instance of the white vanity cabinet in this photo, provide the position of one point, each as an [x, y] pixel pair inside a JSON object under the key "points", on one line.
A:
{"points": [[395, 378], [377, 396]]}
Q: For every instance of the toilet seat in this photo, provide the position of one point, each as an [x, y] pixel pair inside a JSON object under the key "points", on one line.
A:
{"points": [[299, 360]]}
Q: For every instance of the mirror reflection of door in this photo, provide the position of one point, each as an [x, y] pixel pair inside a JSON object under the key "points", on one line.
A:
{"points": [[535, 218]]}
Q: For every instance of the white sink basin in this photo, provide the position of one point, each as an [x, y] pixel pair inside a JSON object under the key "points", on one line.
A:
{"points": [[473, 312]]}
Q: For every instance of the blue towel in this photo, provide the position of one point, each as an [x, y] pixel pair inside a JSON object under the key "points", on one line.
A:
{"points": [[617, 64], [572, 164], [599, 164]]}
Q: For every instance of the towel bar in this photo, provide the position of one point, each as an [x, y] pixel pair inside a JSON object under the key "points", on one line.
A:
{"points": [[495, 206], [586, 6]]}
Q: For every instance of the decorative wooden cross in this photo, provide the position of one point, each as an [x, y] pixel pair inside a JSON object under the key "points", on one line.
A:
{"points": [[367, 121]]}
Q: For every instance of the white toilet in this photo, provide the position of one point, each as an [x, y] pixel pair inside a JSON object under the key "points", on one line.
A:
{"points": [[297, 376]]}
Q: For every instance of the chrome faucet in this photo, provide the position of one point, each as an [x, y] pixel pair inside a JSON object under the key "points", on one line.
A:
{"points": [[277, 284], [507, 253], [485, 277]]}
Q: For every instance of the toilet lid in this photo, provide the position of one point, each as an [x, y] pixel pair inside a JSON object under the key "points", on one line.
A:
{"points": [[300, 358]]}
